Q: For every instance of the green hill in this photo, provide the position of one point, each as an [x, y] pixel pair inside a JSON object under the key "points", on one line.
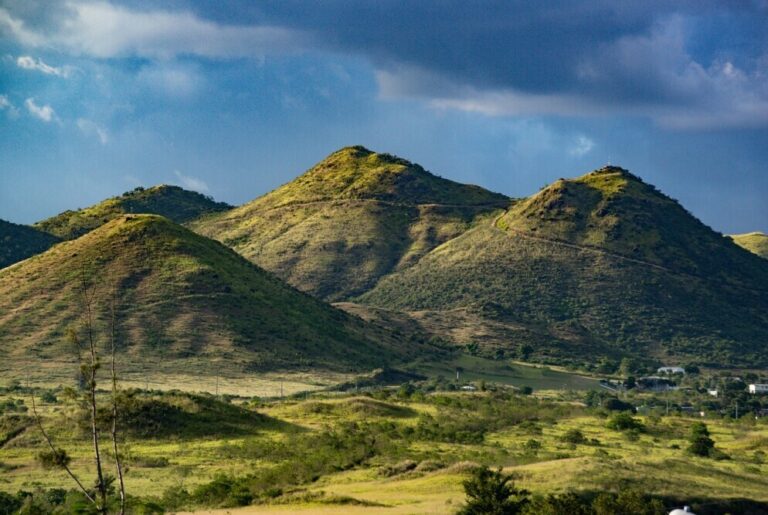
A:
{"points": [[181, 297], [351, 219], [18, 242], [172, 202], [602, 265], [755, 242]]}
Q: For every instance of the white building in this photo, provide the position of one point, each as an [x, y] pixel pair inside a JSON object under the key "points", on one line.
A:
{"points": [[685, 511], [671, 370], [713, 393], [758, 388]]}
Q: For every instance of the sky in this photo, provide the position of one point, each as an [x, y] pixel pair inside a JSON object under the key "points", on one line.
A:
{"points": [[234, 98]]}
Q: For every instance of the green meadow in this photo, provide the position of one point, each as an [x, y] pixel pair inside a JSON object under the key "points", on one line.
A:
{"points": [[403, 449]]}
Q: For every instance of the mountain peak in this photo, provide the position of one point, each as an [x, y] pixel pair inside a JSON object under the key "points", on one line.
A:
{"points": [[614, 210], [173, 202], [357, 173]]}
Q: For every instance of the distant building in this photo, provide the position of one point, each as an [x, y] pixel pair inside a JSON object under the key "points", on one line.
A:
{"points": [[671, 370], [468, 388], [713, 393], [758, 388], [685, 511], [655, 384]]}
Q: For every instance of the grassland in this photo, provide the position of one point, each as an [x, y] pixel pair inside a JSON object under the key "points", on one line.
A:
{"points": [[392, 451], [755, 242], [351, 219], [183, 302]]}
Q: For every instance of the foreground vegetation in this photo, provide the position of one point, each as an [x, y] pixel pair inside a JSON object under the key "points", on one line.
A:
{"points": [[394, 450]]}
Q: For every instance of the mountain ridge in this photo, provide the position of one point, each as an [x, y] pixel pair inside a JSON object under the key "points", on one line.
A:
{"points": [[181, 295], [18, 242], [357, 213], [172, 202], [624, 265]]}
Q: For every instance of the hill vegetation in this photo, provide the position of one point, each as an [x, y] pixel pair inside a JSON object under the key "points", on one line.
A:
{"points": [[18, 242], [351, 219], [600, 265], [756, 242], [180, 296], [172, 202]]}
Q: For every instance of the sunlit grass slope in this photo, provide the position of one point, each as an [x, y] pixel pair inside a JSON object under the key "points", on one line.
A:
{"points": [[600, 265], [172, 202], [18, 242], [352, 218], [756, 242], [180, 297]]}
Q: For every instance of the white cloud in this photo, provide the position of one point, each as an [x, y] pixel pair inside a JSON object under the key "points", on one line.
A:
{"points": [[101, 29], [91, 127], [44, 113], [191, 183], [173, 80], [581, 147], [29, 63]]}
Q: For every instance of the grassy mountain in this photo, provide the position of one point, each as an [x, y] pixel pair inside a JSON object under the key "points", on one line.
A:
{"points": [[756, 242], [180, 296], [18, 242], [599, 265], [172, 202], [351, 219]]}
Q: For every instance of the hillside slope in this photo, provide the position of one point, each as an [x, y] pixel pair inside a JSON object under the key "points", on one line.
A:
{"points": [[18, 242], [180, 296], [351, 219], [599, 265], [172, 202], [755, 242]]}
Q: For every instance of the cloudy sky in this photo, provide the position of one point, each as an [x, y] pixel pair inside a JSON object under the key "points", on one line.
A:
{"points": [[97, 97]]}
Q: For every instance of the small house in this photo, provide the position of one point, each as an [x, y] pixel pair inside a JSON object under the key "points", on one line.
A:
{"points": [[758, 388], [670, 370]]}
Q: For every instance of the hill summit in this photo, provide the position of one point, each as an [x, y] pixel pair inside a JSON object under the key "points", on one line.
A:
{"points": [[172, 202], [358, 173], [180, 296], [603, 264], [349, 220]]}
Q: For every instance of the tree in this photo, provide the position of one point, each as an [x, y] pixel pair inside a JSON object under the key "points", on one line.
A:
{"points": [[89, 366], [700, 442], [491, 492]]}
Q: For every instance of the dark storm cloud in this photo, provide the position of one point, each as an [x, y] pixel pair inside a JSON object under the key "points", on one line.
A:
{"points": [[683, 64]]}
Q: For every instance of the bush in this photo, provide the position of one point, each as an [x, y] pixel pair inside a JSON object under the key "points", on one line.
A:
{"points": [[490, 492], [574, 436], [623, 421], [53, 459]]}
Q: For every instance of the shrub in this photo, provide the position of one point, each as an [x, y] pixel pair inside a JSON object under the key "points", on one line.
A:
{"points": [[490, 492], [623, 421], [574, 436], [53, 459]]}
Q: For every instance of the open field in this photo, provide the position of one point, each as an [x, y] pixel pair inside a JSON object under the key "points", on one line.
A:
{"points": [[393, 452]]}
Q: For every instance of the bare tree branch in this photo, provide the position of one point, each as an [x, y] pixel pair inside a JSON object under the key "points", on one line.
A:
{"points": [[88, 300], [118, 465], [55, 451]]}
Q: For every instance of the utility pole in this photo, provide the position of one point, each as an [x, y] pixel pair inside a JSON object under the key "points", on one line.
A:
{"points": [[217, 381]]}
